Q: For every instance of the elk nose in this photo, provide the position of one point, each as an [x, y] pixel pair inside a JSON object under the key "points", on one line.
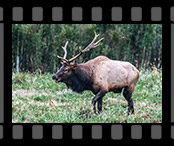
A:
{"points": [[53, 77]]}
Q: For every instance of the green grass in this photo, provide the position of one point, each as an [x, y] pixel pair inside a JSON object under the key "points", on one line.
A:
{"points": [[38, 99]]}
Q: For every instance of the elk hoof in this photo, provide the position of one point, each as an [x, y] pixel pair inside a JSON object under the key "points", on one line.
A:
{"points": [[99, 112], [130, 110], [95, 112]]}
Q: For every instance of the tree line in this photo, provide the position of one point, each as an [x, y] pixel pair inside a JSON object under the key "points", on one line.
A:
{"points": [[37, 45]]}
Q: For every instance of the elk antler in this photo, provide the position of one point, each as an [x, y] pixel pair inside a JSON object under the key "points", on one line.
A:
{"points": [[91, 45], [65, 51]]}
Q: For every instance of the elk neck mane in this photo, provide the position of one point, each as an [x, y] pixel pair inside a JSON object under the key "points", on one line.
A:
{"points": [[81, 79]]}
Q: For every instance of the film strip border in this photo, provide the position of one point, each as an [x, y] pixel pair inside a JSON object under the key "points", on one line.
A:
{"points": [[60, 132], [116, 14], [116, 131]]}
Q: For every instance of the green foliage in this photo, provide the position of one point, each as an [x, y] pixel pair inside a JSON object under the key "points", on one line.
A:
{"points": [[38, 99], [37, 45]]}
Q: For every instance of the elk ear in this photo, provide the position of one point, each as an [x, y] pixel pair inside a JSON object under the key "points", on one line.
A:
{"points": [[73, 66]]}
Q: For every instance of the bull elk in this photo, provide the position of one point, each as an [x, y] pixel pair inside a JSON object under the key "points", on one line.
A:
{"points": [[99, 75]]}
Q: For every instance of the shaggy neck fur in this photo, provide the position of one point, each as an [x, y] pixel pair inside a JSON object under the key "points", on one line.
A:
{"points": [[80, 80]]}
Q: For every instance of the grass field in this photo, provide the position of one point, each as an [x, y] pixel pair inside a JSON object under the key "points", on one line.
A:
{"points": [[38, 99]]}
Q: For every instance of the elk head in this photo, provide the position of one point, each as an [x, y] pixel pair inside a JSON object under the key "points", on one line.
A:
{"points": [[67, 68]]}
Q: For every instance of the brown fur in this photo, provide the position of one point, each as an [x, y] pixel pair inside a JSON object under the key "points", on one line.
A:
{"points": [[109, 74]]}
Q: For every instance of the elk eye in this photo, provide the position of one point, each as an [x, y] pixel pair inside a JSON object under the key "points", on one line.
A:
{"points": [[66, 70]]}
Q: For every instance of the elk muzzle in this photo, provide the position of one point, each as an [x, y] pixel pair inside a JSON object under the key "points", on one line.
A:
{"points": [[56, 78]]}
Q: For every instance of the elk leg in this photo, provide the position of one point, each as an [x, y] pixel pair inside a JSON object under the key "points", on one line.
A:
{"points": [[98, 97], [99, 104], [128, 96]]}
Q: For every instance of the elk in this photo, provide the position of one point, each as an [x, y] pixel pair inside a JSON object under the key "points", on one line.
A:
{"points": [[99, 75]]}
